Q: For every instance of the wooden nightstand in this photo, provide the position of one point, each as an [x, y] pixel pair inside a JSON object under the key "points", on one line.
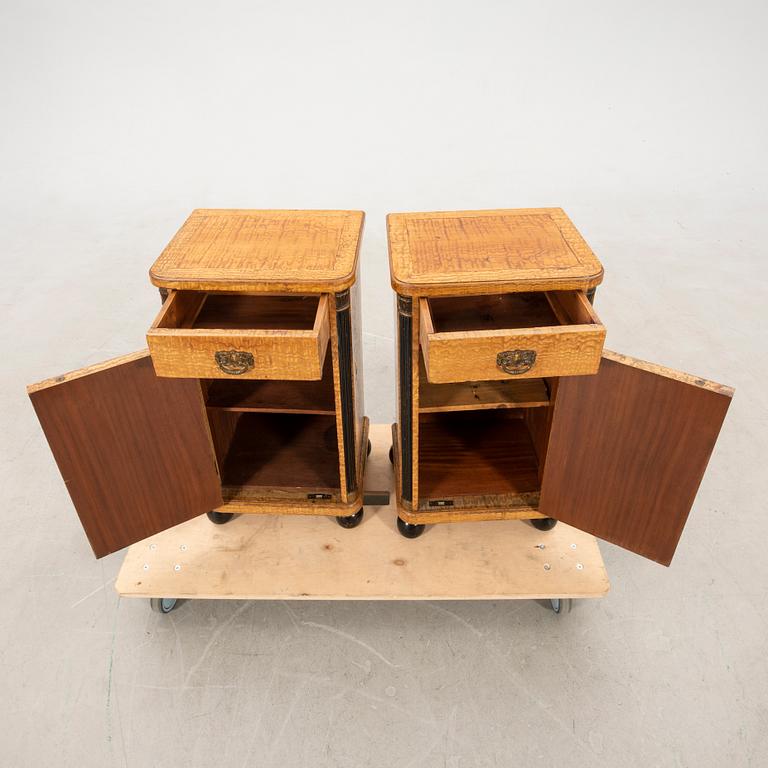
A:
{"points": [[508, 405], [250, 399]]}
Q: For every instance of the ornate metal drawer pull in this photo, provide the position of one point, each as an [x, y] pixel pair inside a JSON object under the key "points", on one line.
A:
{"points": [[233, 362], [516, 361]]}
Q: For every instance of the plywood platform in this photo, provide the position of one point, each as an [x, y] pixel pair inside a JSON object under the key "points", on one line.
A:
{"points": [[265, 557]]}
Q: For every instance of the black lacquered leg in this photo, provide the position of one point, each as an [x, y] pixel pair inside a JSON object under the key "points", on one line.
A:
{"points": [[219, 518], [543, 523], [351, 521], [409, 530]]}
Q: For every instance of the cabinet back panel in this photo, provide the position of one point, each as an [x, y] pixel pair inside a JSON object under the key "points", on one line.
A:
{"points": [[476, 453]]}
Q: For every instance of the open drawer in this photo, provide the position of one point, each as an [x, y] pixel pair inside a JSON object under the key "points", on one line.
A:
{"points": [[221, 335], [520, 335]]}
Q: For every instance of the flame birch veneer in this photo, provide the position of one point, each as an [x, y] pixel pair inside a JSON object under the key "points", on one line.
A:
{"points": [[250, 399], [508, 405]]}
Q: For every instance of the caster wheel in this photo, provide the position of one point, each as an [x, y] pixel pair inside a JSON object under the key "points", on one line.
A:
{"points": [[368, 449], [351, 521], [409, 530], [162, 604], [219, 518], [561, 605], [391, 454], [543, 523]]}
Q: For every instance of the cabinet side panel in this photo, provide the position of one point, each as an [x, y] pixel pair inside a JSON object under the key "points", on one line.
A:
{"points": [[346, 388], [133, 449], [405, 374], [357, 365]]}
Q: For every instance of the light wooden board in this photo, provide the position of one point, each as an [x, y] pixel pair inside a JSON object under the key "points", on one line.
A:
{"points": [[272, 557]]}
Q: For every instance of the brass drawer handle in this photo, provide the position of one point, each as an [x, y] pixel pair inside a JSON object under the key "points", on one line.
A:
{"points": [[233, 362], [516, 361]]}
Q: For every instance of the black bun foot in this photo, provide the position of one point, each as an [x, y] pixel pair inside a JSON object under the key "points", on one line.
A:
{"points": [[409, 530], [543, 523], [351, 521], [219, 518]]}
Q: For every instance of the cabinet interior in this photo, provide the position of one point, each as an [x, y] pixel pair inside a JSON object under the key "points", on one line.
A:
{"points": [[483, 453], [484, 439], [275, 434]]}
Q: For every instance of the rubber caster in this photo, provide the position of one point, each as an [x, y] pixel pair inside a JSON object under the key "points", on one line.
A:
{"points": [[561, 604], [351, 521], [409, 530], [392, 454], [162, 604], [543, 523], [219, 518], [368, 449]]}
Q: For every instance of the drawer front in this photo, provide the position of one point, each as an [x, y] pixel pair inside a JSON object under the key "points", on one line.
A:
{"points": [[487, 355], [219, 353]]}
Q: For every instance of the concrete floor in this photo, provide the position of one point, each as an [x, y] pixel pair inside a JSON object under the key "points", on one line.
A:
{"points": [[645, 122]]}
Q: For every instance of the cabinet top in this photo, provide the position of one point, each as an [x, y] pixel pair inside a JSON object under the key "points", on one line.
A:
{"points": [[524, 249], [262, 250]]}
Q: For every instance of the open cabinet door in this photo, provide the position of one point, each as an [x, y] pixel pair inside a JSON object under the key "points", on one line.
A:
{"points": [[134, 449], [627, 451]]}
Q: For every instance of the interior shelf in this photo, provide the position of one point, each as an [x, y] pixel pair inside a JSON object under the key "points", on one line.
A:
{"points": [[480, 395], [294, 451], [274, 396], [483, 453]]}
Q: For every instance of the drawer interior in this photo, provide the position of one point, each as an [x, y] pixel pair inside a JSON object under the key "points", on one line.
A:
{"points": [[238, 311], [451, 314]]}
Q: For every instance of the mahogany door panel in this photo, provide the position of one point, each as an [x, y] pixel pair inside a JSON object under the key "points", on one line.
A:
{"points": [[133, 449], [628, 449]]}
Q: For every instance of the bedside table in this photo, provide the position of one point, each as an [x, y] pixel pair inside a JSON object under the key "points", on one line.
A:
{"points": [[250, 399], [508, 405]]}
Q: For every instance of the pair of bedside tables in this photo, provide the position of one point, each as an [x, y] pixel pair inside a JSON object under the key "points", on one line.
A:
{"points": [[250, 398]]}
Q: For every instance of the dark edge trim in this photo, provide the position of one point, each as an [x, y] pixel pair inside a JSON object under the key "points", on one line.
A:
{"points": [[591, 295], [405, 336], [163, 294], [344, 333]]}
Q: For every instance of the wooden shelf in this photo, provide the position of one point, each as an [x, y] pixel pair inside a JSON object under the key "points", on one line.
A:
{"points": [[468, 454], [278, 396], [282, 451], [480, 395]]}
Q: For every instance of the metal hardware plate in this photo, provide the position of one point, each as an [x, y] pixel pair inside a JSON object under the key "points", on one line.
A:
{"points": [[234, 362], [516, 361]]}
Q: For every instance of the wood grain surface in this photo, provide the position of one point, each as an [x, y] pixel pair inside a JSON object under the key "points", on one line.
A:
{"points": [[282, 451], [305, 558], [133, 449], [296, 351], [484, 453], [451, 252], [480, 395], [262, 250], [628, 450], [279, 396]]}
